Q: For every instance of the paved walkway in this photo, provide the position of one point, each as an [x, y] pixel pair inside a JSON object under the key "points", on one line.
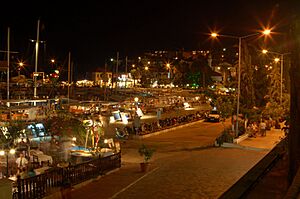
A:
{"points": [[268, 142], [186, 173]]}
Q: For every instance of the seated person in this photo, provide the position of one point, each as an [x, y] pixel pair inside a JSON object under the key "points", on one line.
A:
{"points": [[31, 172], [23, 174]]}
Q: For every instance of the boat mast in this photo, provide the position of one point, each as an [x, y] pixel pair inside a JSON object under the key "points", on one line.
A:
{"points": [[8, 56], [36, 57]]}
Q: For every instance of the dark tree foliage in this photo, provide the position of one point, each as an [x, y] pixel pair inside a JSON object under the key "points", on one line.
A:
{"points": [[247, 71], [260, 83], [65, 127]]}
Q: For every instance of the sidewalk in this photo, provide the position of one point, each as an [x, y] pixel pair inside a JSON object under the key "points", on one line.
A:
{"points": [[268, 142], [275, 182]]}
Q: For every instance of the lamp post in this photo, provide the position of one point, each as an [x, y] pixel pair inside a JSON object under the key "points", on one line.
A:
{"points": [[21, 64], [5, 152], [214, 34], [36, 59], [52, 63], [136, 101], [168, 65], [264, 51]]}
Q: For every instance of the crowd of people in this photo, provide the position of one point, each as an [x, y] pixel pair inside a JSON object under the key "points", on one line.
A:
{"points": [[260, 128]]}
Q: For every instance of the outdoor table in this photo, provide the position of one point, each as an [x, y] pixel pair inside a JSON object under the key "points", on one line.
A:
{"points": [[41, 157]]}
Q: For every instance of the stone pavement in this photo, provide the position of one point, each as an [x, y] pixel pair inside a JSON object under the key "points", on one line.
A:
{"points": [[268, 142], [183, 173]]}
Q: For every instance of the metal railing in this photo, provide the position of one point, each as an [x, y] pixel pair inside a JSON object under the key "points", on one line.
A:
{"points": [[44, 184]]}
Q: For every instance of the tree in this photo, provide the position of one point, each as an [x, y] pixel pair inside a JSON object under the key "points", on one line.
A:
{"points": [[136, 74], [247, 71], [200, 65], [225, 72], [14, 131], [274, 86], [260, 83], [273, 107], [67, 127], [226, 105]]}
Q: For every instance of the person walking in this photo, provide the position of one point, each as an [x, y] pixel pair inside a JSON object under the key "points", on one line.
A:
{"points": [[263, 127], [136, 123]]}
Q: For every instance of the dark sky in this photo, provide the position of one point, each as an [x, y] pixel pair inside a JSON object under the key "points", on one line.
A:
{"points": [[95, 30]]}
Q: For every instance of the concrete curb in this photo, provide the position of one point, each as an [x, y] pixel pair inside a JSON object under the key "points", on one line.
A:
{"points": [[240, 138], [139, 137], [233, 145]]}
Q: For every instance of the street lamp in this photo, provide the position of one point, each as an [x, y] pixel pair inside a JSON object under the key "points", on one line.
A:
{"points": [[5, 152], [52, 62], [264, 51], [214, 34], [168, 65], [21, 64]]}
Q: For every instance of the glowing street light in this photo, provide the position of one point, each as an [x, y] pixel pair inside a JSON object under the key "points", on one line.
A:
{"points": [[215, 35], [3, 152], [276, 59], [21, 64], [267, 32]]}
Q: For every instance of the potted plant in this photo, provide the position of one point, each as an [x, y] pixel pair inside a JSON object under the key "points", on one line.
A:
{"points": [[147, 154]]}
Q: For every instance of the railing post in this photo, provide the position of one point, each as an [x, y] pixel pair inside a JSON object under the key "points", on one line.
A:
{"points": [[19, 187]]}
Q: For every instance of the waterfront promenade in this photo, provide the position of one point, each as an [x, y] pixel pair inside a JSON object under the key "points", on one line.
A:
{"points": [[181, 168]]}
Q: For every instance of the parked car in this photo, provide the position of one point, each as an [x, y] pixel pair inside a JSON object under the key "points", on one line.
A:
{"points": [[213, 116]]}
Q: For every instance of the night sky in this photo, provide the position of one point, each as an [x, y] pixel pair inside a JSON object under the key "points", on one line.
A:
{"points": [[95, 30]]}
